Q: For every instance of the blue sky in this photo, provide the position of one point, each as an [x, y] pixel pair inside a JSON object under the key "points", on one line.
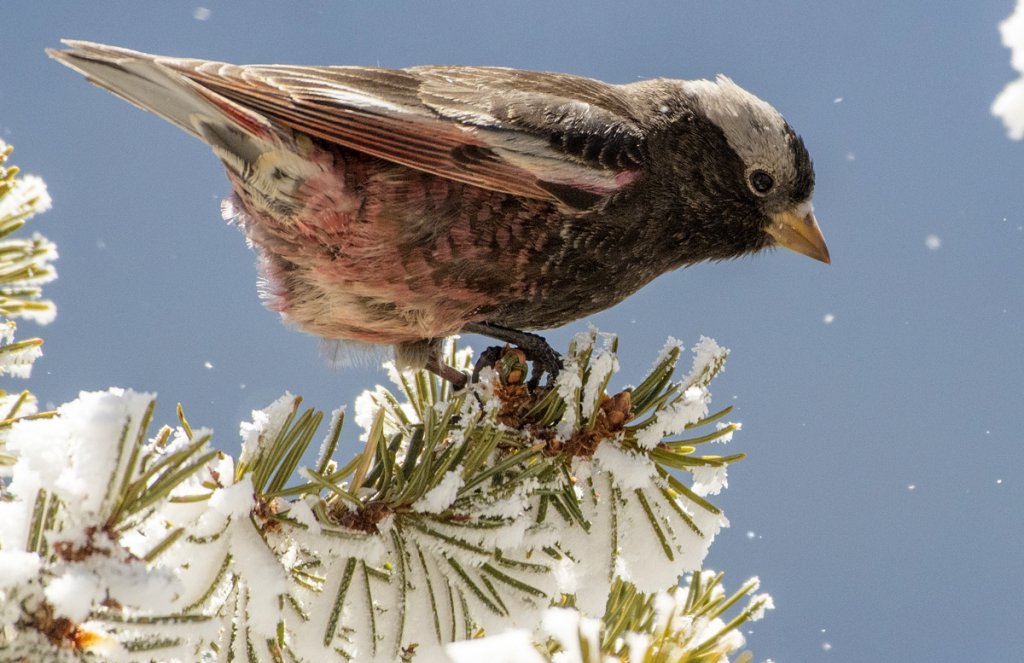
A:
{"points": [[882, 502]]}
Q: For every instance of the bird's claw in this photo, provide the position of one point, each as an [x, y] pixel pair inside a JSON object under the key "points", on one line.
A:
{"points": [[487, 359], [543, 358], [534, 348]]}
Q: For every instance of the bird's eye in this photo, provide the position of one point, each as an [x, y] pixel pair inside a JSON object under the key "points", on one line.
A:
{"points": [[761, 181]]}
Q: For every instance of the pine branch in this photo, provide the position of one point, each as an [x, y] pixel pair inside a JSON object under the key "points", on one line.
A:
{"points": [[25, 264], [464, 514], [682, 625]]}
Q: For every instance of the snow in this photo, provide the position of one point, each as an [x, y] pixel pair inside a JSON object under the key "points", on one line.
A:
{"points": [[638, 644], [29, 195], [1009, 104], [17, 567], [441, 496], [260, 564], [512, 506], [71, 454], [725, 438], [512, 646], [933, 242], [40, 316], [673, 418], [709, 480], [463, 356], [1012, 31], [762, 603], [669, 608], [130, 582], [18, 363], [628, 548], [337, 417], [664, 605], [200, 518], [261, 569], [579, 636], [568, 383], [269, 419], [602, 365], [707, 354], [671, 344], [563, 626], [566, 575], [630, 471], [370, 402], [235, 501], [366, 410], [708, 358], [301, 512], [73, 594]]}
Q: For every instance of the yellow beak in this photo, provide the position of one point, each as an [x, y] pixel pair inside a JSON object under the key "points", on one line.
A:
{"points": [[797, 230]]}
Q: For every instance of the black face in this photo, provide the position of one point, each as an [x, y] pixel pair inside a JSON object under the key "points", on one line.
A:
{"points": [[717, 207]]}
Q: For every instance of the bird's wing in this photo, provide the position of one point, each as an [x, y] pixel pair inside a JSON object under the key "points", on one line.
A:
{"points": [[541, 135]]}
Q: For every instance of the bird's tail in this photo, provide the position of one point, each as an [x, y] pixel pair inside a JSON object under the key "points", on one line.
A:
{"points": [[162, 86]]}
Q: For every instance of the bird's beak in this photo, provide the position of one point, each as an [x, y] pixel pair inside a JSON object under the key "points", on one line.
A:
{"points": [[797, 230]]}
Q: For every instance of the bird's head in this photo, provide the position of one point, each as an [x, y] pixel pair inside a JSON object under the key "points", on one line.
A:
{"points": [[763, 177]]}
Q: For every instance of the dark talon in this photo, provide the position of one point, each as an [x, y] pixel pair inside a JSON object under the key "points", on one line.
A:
{"points": [[537, 350], [487, 359], [545, 360]]}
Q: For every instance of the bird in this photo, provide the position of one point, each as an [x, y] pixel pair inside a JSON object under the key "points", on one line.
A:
{"points": [[402, 206]]}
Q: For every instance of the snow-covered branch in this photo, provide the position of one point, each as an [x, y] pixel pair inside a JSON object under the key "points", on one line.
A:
{"points": [[465, 514], [1009, 104], [560, 518]]}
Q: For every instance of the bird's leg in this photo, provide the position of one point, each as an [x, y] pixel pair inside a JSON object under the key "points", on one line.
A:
{"points": [[436, 365], [428, 353], [537, 350]]}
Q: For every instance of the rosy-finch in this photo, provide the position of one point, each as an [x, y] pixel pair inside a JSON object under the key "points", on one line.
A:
{"points": [[399, 206]]}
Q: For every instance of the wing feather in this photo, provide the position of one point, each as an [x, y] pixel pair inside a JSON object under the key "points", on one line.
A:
{"points": [[539, 135], [557, 137]]}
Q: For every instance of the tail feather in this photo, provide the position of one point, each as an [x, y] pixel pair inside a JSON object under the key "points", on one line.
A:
{"points": [[160, 86]]}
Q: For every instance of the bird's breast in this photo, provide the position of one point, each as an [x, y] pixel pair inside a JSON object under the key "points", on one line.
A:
{"points": [[356, 248]]}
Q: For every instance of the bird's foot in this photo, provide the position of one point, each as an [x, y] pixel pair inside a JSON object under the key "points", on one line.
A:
{"points": [[487, 359], [509, 362], [533, 347], [545, 360]]}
